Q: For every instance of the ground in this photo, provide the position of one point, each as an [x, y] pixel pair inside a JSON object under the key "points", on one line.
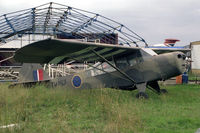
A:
{"points": [[44, 110]]}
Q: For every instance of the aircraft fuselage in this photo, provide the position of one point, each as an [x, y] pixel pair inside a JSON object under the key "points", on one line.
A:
{"points": [[147, 69]]}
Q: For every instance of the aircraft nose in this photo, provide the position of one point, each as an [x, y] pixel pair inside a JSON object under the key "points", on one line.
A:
{"points": [[181, 60]]}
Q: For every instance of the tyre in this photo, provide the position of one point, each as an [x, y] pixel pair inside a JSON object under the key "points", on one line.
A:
{"points": [[163, 91], [142, 95]]}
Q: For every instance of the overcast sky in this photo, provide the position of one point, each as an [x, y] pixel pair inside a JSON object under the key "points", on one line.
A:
{"points": [[154, 20]]}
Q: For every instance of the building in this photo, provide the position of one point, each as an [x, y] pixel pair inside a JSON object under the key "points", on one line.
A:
{"points": [[195, 55]]}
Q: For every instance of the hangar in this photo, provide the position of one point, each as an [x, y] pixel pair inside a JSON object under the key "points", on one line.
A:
{"points": [[53, 20], [60, 21]]}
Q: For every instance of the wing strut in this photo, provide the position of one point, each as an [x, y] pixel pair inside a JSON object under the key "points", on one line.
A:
{"points": [[116, 68]]}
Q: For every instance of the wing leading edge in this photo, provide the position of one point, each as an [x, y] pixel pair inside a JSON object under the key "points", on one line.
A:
{"points": [[56, 50]]}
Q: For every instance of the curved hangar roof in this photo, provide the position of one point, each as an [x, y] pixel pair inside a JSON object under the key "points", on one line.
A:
{"points": [[63, 21]]}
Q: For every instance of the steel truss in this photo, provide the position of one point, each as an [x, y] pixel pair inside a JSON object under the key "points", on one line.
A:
{"points": [[57, 19]]}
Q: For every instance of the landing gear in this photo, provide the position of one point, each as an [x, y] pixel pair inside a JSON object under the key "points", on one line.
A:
{"points": [[141, 95], [156, 88], [141, 88], [163, 91], [150, 85]]}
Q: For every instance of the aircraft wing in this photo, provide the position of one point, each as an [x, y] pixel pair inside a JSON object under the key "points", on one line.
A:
{"points": [[161, 50], [56, 50]]}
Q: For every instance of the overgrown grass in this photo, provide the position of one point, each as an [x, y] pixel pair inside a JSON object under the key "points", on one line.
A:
{"points": [[59, 110]]}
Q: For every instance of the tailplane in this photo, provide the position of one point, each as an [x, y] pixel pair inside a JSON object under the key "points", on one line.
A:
{"points": [[32, 72]]}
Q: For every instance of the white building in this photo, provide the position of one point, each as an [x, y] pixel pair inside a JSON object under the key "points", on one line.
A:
{"points": [[195, 55]]}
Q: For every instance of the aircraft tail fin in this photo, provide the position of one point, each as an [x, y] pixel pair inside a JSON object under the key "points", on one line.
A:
{"points": [[32, 72], [170, 42]]}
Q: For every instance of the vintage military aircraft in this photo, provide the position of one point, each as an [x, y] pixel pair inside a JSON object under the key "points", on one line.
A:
{"points": [[115, 66]]}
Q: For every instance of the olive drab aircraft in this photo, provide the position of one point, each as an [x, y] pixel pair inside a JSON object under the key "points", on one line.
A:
{"points": [[114, 66]]}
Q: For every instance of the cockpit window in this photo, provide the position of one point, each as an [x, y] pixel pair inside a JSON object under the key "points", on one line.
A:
{"points": [[121, 62], [129, 59], [132, 59]]}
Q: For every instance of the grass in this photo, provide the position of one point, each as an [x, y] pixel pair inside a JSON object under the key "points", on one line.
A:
{"points": [[192, 76], [59, 110]]}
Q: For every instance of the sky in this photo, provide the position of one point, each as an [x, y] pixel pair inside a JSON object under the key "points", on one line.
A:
{"points": [[154, 20]]}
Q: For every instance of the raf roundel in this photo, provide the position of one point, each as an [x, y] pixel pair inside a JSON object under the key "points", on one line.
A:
{"points": [[76, 81]]}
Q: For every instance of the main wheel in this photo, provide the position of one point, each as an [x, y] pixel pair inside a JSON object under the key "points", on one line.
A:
{"points": [[163, 91], [142, 95]]}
